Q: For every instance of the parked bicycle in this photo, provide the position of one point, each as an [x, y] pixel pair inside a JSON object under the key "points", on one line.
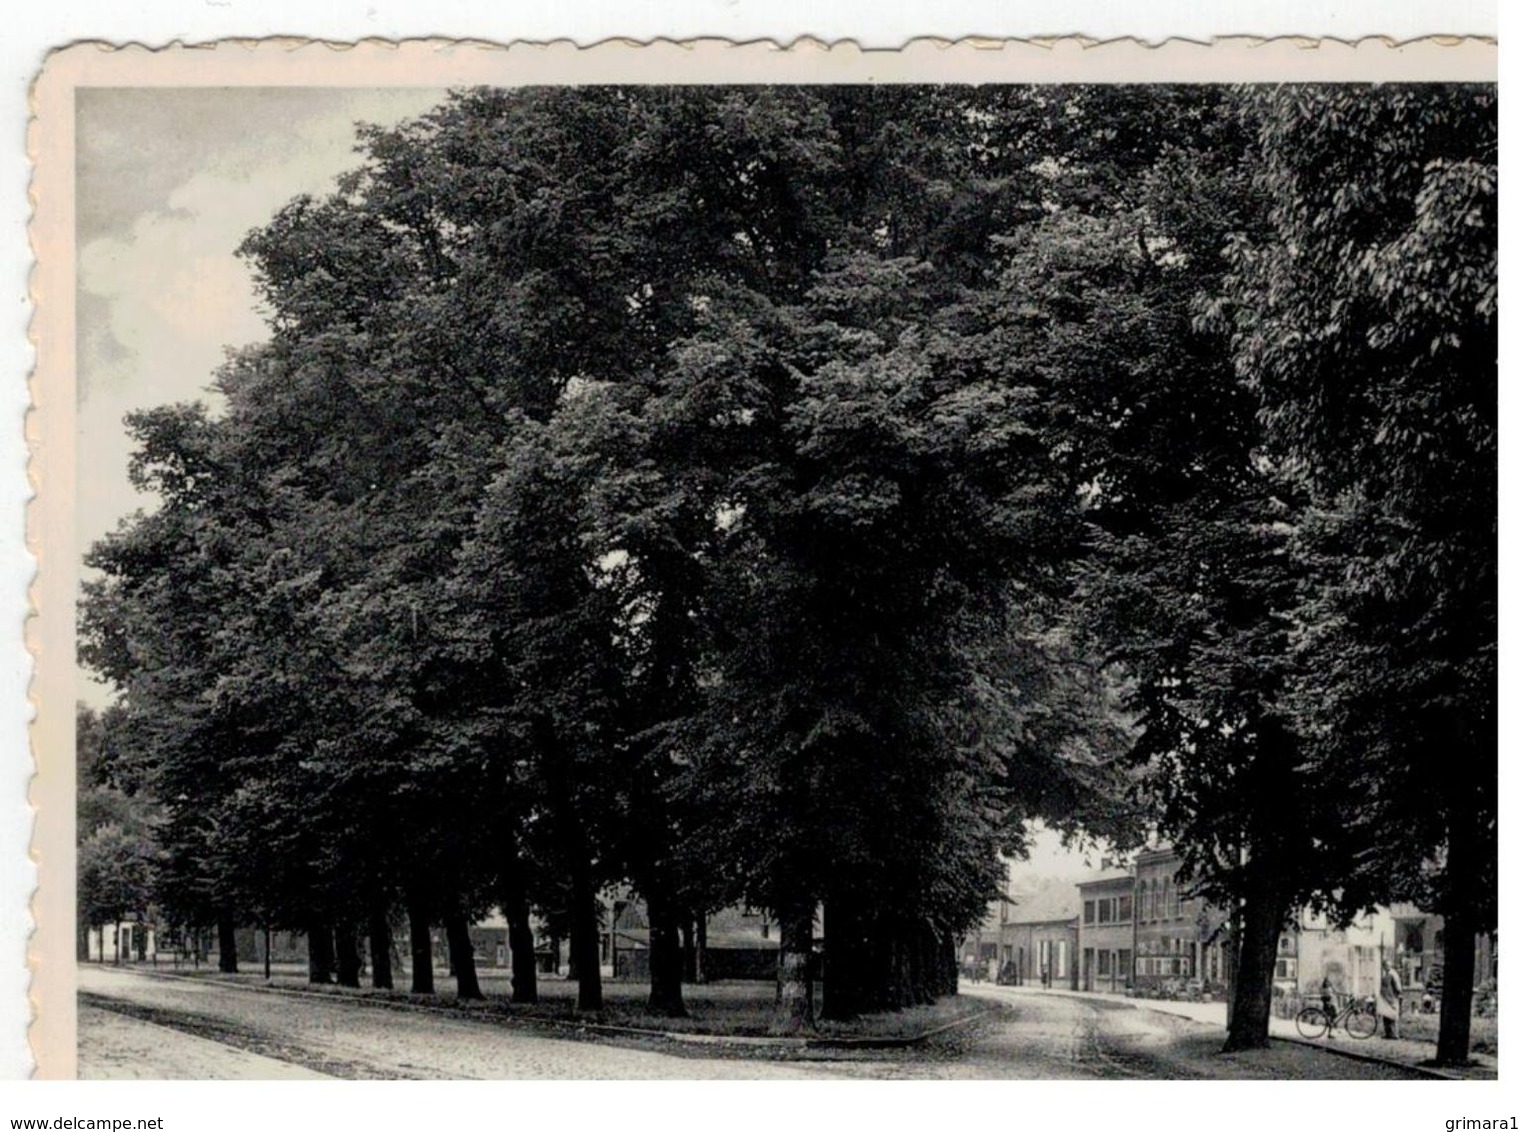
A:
{"points": [[1358, 1018]]}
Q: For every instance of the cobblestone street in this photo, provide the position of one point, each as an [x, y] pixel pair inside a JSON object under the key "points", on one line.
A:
{"points": [[134, 1025]]}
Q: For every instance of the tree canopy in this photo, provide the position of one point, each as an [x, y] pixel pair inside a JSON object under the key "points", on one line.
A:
{"points": [[781, 496]]}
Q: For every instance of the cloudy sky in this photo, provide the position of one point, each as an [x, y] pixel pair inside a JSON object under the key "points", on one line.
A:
{"points": [[169, 181]]}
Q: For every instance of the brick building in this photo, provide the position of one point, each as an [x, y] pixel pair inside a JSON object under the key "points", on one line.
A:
{"points": [[1106, 933], [1178, 936]]}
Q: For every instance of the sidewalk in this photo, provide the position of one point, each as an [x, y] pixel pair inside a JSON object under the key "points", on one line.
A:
{"points": [[1404, 1052]]}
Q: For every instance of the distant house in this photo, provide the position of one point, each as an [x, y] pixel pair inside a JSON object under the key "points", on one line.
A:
{"points": [[125, 942], [979, 950], [1039, 936], [1348, 956], [741, 943], [1418, 953], [1179, 936], [1147, 932], [1106, 934]]}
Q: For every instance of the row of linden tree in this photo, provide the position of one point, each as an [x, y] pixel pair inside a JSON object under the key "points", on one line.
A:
{"points": [[781, 496]]}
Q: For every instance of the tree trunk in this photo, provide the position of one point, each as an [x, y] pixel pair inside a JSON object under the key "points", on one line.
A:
{"points": [[459, 940], [839, 976], [687, 946], [379, 935], [583, 912], [228, 946], [926, 965], [320, 952], [951, 964], [347, 959], [1233, 951], [266, 959], [891, 990], [793, 1000], [862, 973], [522, 941], [700, 948], [1457, 998], [1460, 922], [584, 941], [665, 960], [421, 961], [1262, 920]]}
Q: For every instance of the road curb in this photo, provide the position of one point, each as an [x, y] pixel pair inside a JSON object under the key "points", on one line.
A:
{"points": [[736, 1041], [1372, 1059]]}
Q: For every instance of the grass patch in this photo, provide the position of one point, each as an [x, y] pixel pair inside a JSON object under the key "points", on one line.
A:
{"points": [[1424, 1028], [723, 1009]]}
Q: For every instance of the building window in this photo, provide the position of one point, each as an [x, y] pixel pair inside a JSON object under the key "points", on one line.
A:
{"points": [[1087, 911], [1103, 963], [1124, 908]]}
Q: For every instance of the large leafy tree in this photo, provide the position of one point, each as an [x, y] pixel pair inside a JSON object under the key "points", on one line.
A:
{"points": [[151, 623], [1366, 322], [1186, 585], [628, 492]]}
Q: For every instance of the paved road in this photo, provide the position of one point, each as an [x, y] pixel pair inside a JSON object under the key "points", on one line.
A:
{"points": [[1076, 1036], [133, 1025]]}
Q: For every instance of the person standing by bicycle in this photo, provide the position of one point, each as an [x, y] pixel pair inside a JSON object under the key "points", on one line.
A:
{"points": [[1389, 999], [1329, 1004]]}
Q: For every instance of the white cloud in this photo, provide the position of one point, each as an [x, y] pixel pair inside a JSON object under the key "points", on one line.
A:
{"points": [[164, 295]]}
